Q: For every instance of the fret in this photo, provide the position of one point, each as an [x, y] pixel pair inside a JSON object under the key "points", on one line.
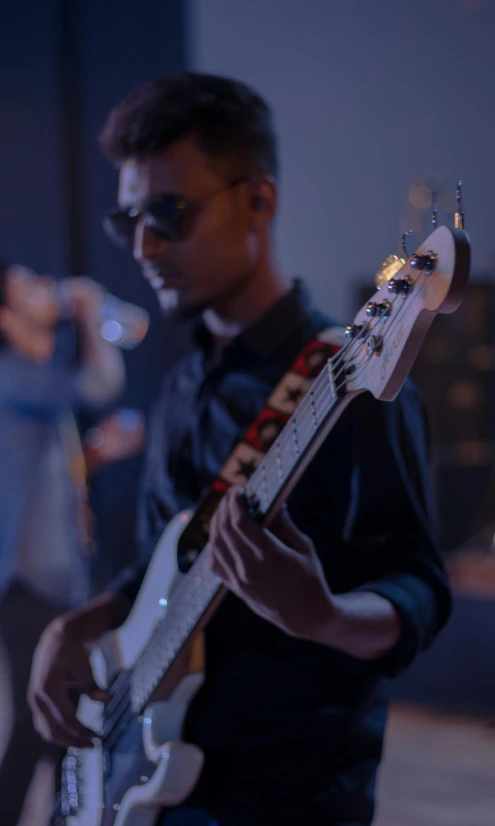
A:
{"points": [[183, 614], [313, 409], [264, 482], [331, 381], [298, 435], [279, 460], [295, 436]]}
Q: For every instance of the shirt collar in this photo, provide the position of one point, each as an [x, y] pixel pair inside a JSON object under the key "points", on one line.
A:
{"points": [[267, 333]]}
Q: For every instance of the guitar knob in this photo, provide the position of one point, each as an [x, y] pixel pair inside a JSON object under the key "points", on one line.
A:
{"points": [[372, 309], [353, 330], [400, 285], [378, 308], [426, 262]]}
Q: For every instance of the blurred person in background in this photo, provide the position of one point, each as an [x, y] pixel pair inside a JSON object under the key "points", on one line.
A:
{"points": [[45, 523], [327, 603]]}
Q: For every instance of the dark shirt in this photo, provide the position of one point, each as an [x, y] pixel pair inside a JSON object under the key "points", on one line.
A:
{"points": [[292, 731]]}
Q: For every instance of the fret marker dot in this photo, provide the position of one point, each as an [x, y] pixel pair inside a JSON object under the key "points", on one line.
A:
{"points": [[163, 602]]}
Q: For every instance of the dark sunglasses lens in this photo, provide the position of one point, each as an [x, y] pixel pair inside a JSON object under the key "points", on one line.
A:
{"points": [[119, 225], [167, 218]]}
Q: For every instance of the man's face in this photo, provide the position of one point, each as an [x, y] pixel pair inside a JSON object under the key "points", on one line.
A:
{"points": [[222, 245]]}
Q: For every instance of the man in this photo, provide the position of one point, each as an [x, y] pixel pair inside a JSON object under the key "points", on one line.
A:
{"points": [[44, 547], [330, 600]]}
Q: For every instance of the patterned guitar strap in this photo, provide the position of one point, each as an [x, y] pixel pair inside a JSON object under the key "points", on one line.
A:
{"points": [[257, 440]]}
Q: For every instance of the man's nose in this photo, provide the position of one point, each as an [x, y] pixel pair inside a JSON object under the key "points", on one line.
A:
{"points": [[148, 246]]}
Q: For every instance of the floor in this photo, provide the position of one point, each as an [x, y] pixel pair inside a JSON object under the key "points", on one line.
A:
{"points": [[438, 771]]}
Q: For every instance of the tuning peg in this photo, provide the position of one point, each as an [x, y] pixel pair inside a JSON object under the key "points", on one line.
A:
{"points": [[400, 286], [458, 214]]}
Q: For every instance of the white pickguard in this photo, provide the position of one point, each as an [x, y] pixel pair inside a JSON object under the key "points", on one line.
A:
{"points": [[178, 764]]}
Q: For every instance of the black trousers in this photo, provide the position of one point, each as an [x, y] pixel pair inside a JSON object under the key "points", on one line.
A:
{"points": [[23, 617]]}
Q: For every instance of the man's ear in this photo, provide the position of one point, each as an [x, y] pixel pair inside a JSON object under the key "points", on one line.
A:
{"points": [[263, 199]]}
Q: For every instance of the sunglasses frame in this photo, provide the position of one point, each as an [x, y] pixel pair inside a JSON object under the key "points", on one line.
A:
{"points": [[185, 207]]}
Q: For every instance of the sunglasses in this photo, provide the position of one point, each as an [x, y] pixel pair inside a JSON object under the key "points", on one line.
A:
{"points": [[168, 216]]}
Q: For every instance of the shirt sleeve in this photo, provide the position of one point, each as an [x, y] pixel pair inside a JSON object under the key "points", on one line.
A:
{"points": [[389, 534], [40, 388]]}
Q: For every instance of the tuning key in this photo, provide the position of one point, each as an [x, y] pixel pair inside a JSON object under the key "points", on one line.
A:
{"points": [[426, 262], [353, 330], [400, 285], [378, 308]]}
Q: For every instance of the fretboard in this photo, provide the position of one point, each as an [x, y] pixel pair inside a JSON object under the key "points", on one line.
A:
{"points": [[276, 473], [269, 485]]}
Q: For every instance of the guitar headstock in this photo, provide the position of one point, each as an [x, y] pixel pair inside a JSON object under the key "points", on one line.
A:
{"points": [[387, 332]]}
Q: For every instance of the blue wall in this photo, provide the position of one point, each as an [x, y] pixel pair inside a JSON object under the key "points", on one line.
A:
{"points": [[62, 66], [367, 97]]}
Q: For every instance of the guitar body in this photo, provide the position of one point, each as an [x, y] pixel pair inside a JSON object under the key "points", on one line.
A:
{"points": [[148, 767]]}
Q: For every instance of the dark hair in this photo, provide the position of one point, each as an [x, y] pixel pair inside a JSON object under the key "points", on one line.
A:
{"points": [[232, 123]]}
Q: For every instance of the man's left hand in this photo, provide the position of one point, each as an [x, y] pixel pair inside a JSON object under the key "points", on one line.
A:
{"points": [[276, 572]]}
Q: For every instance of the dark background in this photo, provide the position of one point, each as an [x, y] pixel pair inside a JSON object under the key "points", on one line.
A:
{"points": [[63, 65]]}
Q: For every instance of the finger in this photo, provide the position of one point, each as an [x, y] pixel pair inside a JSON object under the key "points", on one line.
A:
{"points": [[223, 570], [241, 523], [92, 691], [225, 563], [56, 737], [63, 729], [219, 529], [230, 545], [284, 529], [243, 519], [64, 711], [245, 540], [84, 680]]}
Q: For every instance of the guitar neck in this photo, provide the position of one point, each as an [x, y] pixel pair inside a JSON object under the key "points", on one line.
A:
{"points": [[267, 489], [282, 467], [383, 342]]}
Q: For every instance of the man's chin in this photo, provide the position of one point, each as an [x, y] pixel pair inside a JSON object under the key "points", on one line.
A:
{"points": [[173, 309]]}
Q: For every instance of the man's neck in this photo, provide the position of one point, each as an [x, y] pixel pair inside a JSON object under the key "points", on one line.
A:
{"points": [[219, 327], [244, 306]]}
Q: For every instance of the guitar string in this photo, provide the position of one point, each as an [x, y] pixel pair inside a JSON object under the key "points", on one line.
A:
{"points": [[126, 676], [364, 366]]}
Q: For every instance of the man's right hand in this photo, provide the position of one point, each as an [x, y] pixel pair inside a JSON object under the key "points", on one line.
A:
{"points": [[61, 670], [60, 673]]}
